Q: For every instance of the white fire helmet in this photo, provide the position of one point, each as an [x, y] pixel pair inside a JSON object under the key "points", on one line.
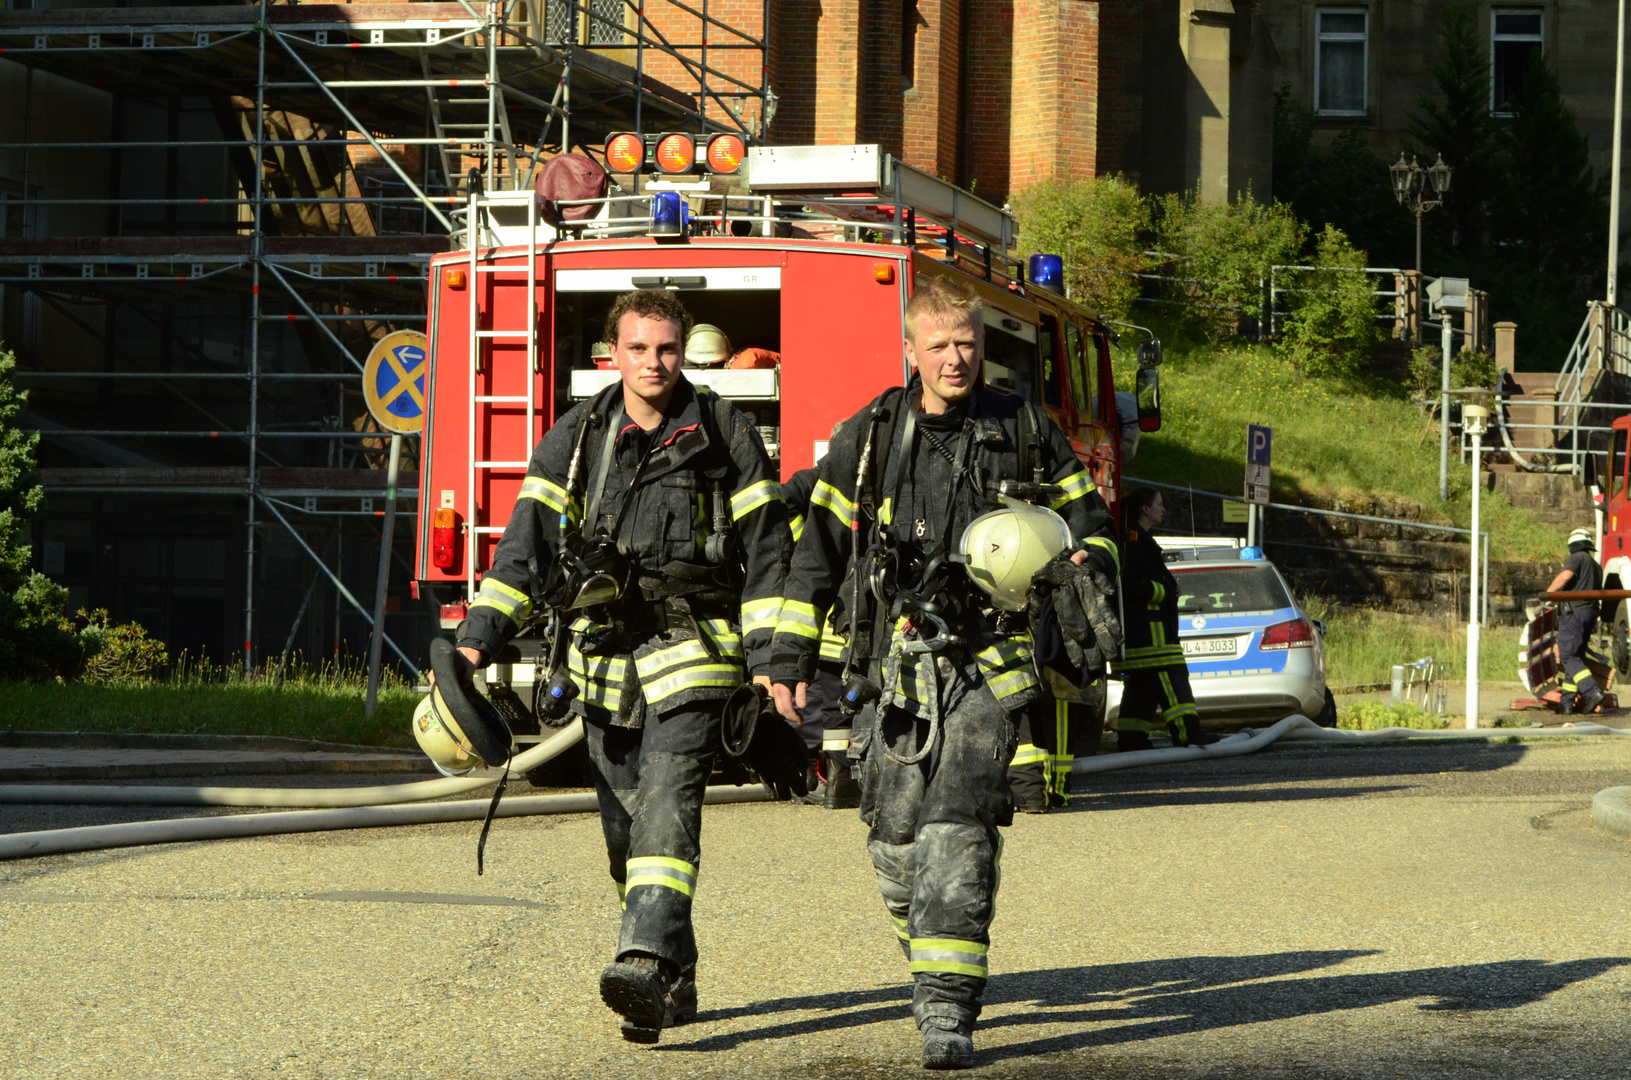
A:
{"points": [[439, 737], [707, 344], [1006, 547], [1583, 536]]}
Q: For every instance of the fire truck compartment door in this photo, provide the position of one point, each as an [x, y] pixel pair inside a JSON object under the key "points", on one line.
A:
{"points": [[669, 277]]}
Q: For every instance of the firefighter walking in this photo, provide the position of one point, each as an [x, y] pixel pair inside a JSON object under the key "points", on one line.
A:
{"points": [[654, 514], [948, 665], [1576, 620], [1156, 676]]}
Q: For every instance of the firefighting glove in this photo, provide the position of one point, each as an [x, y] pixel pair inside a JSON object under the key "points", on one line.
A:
{"points": [[751, 728]]}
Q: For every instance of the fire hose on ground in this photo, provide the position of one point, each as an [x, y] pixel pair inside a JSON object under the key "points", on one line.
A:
{"points": [[403, 804]]}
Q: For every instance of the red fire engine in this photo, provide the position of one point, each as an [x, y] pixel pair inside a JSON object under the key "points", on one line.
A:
{"points": [[805, 259]]}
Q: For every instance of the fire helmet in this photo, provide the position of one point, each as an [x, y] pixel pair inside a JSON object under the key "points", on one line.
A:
{"points": [[1583, 536], [1006, 547], [440, 738], [707, 344]]}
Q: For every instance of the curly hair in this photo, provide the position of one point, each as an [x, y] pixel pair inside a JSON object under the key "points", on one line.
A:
{"points": [[648, 304], [945, 301]]}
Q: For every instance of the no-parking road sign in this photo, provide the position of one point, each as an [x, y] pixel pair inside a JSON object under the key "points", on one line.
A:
{"points": [[393, 382]]}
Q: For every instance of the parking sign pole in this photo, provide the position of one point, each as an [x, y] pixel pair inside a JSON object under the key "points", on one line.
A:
{"points": [[377, 639]]}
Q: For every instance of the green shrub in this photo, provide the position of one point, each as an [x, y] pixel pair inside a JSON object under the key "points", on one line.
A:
{"points": [[1223, 252], [121, 655], [1332, 328], [1467, 369], [1094, 225], [1380, 715], [36, 639]]}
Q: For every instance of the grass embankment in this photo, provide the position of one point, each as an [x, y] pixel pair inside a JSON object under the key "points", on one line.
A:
{"points": [[307, 703], [1348, 439], [1363, 644]]}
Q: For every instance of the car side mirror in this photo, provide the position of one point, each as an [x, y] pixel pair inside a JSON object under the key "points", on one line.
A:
{"points": [[1148, 390]]}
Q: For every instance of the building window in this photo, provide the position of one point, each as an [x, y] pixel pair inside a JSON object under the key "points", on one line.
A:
{"points": [[1516, 39], [909, 20], [1342, 42]]}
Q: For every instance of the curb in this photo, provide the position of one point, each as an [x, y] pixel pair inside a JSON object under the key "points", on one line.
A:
{"points": [[101, 740], [1611, 811]]}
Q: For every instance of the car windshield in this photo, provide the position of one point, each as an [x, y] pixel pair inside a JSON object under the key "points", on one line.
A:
{"points": [[1243, 587]]}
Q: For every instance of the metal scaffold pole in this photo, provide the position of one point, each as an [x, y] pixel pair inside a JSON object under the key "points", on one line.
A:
{"points": [[257, 242], [381, 588]]}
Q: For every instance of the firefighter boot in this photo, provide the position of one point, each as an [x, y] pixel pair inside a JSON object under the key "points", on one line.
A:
{"points": [[948, 1043], [1187, 731], [637, 988], [839, 789], [1589, 700], [1129, 740]]}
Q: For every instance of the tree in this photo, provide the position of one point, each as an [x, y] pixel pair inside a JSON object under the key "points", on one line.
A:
{"points": [[1094, 225], [1223, 254], [36, 638], [1457, 125], [1332, 329]]}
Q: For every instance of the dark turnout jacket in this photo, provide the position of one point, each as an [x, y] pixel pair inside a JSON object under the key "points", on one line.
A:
{"points": [[1150, 595]]}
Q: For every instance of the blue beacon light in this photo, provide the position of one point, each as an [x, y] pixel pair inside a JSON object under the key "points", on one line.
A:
{"points": [[1251, 554], [1048, 272], [669, 214]]}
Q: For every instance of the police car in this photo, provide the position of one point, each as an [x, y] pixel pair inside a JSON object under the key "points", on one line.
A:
{"points": [[1254, 656]]}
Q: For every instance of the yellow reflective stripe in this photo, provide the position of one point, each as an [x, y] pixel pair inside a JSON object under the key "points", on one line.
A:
{"points": [[761, 614], [900, 926], [657, 870], [835, 739], [1010, 683], [1027, 754], [1156, 650], [797, 525], [830, 497], [752, 497], [701, 677], [545, 491], [950, 955], [799, 618], [832, 645], [1106, 544], [599, 678], [513, 604], [1158, 593], [885, 511], [1075, 486]]}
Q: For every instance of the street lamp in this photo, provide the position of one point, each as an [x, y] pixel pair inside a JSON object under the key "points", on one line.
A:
{"points": [[1419, 190]]}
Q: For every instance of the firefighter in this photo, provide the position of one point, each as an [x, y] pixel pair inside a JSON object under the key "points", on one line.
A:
{"points": [[948, 672], [821, 719], [1576, 619], [1156, 678], [1053, 732], [656, 511]]}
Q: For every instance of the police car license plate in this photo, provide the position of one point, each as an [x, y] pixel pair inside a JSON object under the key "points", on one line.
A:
{"points": [[1209, 646]]}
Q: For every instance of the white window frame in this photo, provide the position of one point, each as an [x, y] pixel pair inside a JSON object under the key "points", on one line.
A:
{"points": [[1320, 38], [1494, 37]]}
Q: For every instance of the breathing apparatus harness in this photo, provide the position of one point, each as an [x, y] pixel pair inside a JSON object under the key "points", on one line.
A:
{"points": [[898, 576]]}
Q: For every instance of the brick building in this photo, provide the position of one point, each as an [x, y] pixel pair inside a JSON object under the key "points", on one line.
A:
{"points": [[999, 94]]}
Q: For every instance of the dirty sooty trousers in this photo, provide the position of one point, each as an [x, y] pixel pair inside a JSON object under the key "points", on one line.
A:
{"points": [[649, 782], [934, 840]]}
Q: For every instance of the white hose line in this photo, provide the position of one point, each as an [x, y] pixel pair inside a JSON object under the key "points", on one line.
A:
{"points": [[1301, 729], [383, 795], [181, 830]]}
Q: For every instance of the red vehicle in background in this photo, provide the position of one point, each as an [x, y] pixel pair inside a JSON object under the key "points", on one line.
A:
{"points": [[805, 259]]}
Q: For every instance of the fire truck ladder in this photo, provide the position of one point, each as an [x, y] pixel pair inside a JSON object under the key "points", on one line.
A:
{"points": [[484, 360], [470, 116]]}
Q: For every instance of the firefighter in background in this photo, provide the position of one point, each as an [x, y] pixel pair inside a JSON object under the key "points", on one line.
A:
{"points": [[1053, 733], [683, 546], [1576, 619], [1156, 678], [950, 674]]}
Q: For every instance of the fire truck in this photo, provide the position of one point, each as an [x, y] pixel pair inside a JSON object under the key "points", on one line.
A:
{"points": [[804, 257]]}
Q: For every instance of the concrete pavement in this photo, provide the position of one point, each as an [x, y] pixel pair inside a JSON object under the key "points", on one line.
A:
{"points": [[1414, 910]]}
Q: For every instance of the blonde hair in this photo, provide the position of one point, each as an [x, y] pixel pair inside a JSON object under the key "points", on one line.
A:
{"points": [[945, 301]]}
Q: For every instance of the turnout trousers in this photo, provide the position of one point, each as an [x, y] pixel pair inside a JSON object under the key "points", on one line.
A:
{"points": [[649, 783], [1158, 691], [1574, 629], [1052, 735], [934, 840]]}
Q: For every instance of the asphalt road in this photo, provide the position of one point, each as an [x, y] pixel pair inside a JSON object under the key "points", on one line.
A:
{"points": [[1414, 910]]}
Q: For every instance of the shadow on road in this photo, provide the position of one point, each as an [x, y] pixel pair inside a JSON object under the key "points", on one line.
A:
{"points": [[1150, 999]]}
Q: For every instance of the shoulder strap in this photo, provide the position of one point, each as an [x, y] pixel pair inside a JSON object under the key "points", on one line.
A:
{"points": [[1030, 446]]}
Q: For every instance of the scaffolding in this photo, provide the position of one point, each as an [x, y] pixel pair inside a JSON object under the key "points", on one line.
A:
{"points": [[353, 136]]}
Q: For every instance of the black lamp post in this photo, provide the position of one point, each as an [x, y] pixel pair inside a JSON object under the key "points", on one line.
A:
{"points": [[1419, 190]]}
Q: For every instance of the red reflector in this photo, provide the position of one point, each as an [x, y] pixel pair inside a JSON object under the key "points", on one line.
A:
{"points": [[452, 615], [883, 273], [444, 540], [676, 154], [625, 152], [1296, 634], [725, 153]]}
